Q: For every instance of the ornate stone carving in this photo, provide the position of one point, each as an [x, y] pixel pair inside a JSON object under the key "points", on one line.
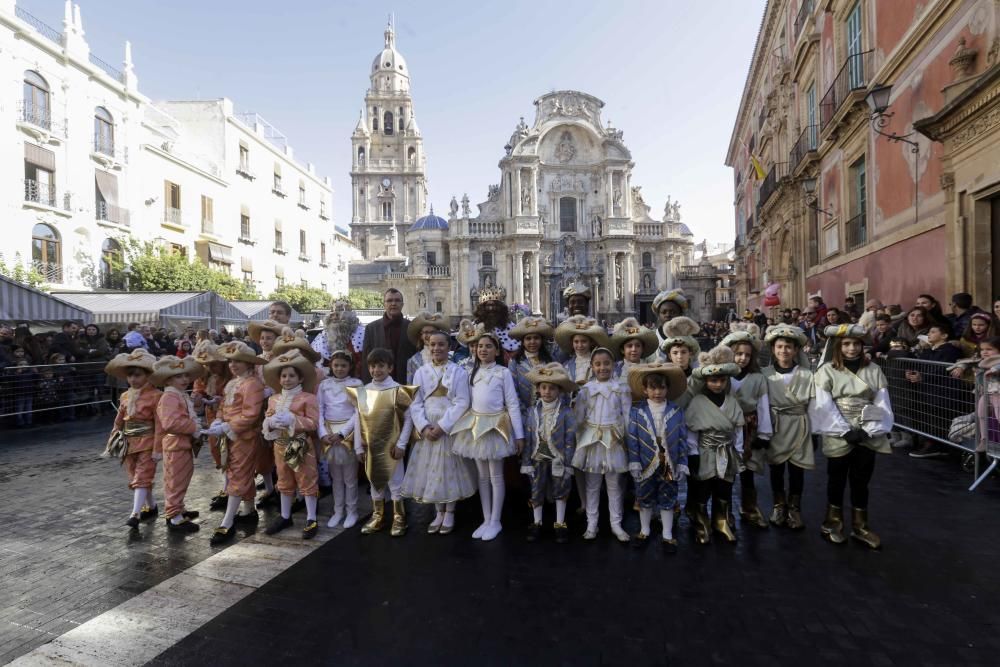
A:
{"points": [[465, 205], [492, 195], [565, 149], [947, 180], [453, 207], [525, 197], [961, 62]]}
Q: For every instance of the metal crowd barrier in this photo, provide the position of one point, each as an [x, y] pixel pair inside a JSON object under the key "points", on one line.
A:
{"points": [[987, 424], [26, 390]]}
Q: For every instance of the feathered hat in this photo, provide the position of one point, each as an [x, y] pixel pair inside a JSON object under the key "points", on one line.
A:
{"points": [[580, 325], [717, 362], [425, 319], [675, 295], [139, 358], [681, 331], [206, 352], [298, 361], [630, 329], [553, 373], [743, 332], [255, 329], [237, 350]]}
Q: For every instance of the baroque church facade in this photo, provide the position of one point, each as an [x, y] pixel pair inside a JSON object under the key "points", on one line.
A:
{"points": [[565, 210]]}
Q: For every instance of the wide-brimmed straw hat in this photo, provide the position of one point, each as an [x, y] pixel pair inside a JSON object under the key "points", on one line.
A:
{"points": [[553, 373], [786, 331], [237, 350], [580, 325], [675, 295], [466, 332], [295, 340], [577, 289], [480, 331], [140, 358], [298, 361], [169, 366], [425, 319], [630, 329], [676, 380], [532, 324], [255, 328], [207, 352]]}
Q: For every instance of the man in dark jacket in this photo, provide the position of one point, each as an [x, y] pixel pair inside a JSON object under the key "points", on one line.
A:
{"points": [[962, 311], [389, 332], [65, 342]]}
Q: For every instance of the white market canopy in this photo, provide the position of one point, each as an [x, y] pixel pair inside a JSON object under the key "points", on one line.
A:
{"points": [[257, 310], [162, 309], [20, 303]]}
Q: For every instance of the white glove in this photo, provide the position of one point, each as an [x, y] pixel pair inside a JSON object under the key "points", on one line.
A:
{"points": [[281, 420], [216, 429], [268, 392], [217, 422], [528, 470]]}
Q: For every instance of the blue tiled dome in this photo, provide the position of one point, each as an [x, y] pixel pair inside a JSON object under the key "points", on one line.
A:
{"points": [[430, 222]]}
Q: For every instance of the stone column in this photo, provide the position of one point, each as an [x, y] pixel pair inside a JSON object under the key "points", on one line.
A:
{"points": [[518, 296], [612, 280], [534, 196], [517, 191], [596, 291], [628, 267], [536, 279]]}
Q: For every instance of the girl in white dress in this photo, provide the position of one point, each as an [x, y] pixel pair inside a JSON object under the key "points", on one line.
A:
{"points": [[435, 474], [336, 433], [491, 429]]}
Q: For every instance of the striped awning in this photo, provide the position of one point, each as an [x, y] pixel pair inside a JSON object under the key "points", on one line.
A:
{"points": [[257, 310], [20, 303], [155, 308]]}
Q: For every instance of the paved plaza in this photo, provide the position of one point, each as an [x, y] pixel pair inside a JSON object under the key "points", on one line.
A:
{"points": [[77, 588]]}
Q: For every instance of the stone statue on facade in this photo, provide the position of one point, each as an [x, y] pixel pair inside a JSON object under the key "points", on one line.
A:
{"points": [[525, 198], [492, 195], [616, 197], [597, 227], [453, 207], [465, 205], [668, 211], [565, 150], [677, 211], [637, 196]]}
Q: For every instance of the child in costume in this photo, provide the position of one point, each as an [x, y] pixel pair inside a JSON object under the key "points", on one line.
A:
{"points": [[714, 421], [381, 421], [336, 433], [434, 474], [632, 343], [238, 427], [681, 349], [132, 437], [179, 428], [551, 443], [749, 387], [852, 414], [602, 407], [265, 334], [491, 430], [535, 335], [656, 440], [783, 421], [207, 395], [291, 418], [422, 326]]}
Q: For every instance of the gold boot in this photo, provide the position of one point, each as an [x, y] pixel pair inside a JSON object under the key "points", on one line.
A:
{"points": [[702, 526], [860, 530], [833, 525], [378, 517], [398, 519], [795, 513], [720, 520], [779, 514], [749, 511]]}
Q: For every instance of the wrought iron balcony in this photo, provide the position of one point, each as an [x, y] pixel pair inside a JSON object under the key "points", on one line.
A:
{"points": [[853, 75], [805, 11], [31, 115], [114, 73], [857, 232], [40, 193], [110, 213], [51, 272], [770, 185], [207, 226], [173, 216], [807, 143]]}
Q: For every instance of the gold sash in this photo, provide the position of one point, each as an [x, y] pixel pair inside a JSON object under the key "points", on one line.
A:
{"points": [[135, 428], [380, 418], [482, 423], [296, 450], [334, 427]]}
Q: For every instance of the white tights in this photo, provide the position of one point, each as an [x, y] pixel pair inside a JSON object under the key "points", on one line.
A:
{"points": [[613, 482], [345, 486], [491, 479]]}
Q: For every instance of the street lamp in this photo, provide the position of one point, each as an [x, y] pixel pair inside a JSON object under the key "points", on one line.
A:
{"points": [[878, 101], [809, 188]]}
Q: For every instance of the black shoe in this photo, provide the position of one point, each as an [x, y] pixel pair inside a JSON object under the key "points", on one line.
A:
{"points": [[133, 522], [928, 450], [534, 532], [190, 514], [562, 533], [222, 535], [309, 531], [669, 546], [253, 517], [219, 502], [298, 505], [267, 499], [185, 526], [278, 525], [640, 540], [325, 491], [149, 512]]}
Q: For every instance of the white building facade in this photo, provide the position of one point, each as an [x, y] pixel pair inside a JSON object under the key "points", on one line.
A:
{"points": [[102, 164]]}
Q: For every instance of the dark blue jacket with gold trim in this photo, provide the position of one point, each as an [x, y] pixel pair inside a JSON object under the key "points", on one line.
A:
{"points": [[562, 438], [640, 440]]}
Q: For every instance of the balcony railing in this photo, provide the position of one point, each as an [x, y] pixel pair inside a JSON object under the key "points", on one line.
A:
{"points": [[853, 75], [649, 230], [207, 226], [805, 11], [43, 29], [111, 213], [173, 216], [857, 232], [38, 115], [244, 171], [51, 272], [770, 185], [439, 270], [278, 191], [807, 142], [114, 73], [40, 193], [477, 228]]}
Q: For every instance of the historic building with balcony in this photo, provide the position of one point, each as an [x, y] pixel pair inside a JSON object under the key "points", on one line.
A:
{"points": [[101, 164], [876, 127]]}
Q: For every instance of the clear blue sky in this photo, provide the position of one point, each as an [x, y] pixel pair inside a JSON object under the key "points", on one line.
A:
{"points": [[670, 73]]}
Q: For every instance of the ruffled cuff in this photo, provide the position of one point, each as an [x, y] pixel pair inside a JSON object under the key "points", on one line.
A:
{"points": [[528, 470], [635, 468], [682, 472], [228, 430]]}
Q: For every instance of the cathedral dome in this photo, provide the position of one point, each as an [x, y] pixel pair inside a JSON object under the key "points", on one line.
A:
{"points": [[390, 60], [429, 222]]}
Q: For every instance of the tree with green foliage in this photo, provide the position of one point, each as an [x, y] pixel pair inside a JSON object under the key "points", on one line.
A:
{"points": [[29, 276], [364, 298], [303, 299], [149, 268]]}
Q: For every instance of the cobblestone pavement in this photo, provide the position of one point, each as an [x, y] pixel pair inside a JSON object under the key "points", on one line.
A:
{"points": [[928, 598]]}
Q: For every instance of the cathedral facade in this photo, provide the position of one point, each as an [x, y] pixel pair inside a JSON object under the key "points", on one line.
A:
{"points": [[565, 210]]}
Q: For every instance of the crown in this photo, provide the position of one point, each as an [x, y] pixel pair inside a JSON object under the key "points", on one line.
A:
{"points": [[491, 294]]}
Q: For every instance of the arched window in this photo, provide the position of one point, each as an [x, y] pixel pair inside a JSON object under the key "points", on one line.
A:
{"points": [[567, 214], [104, 132], [111, 263], [400, 119], [375, 119], [36, 107], [46, 252], [647, 260], [487, 259], [387, 122], [361, 155], [411, 154]]}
